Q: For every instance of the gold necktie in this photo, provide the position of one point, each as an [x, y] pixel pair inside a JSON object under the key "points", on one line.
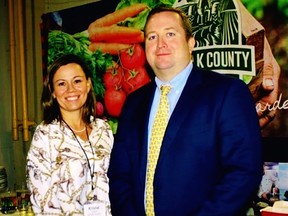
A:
{"points": [[158, 130]]}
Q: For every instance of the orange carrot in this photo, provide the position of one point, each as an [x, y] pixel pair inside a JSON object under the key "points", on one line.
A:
{"points": [[113, 32], [111, 48], [127, 40], [118, 15]]}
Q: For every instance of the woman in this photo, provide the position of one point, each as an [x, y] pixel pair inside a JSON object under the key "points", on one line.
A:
{"points": [[70, 151]]}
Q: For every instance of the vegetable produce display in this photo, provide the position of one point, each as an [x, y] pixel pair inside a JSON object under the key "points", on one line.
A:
{"points": [[110, 36], [132, 57], [119, 15], [60, 43], [112, 46]]}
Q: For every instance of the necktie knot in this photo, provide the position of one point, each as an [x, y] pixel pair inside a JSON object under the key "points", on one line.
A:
{"points": [[165, 89]]}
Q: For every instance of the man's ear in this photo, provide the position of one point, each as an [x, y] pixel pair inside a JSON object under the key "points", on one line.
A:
{"points": [[191, 44]]}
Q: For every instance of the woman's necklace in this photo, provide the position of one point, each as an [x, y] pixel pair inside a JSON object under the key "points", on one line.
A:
{"points": [[88, 161], [78, 131]]}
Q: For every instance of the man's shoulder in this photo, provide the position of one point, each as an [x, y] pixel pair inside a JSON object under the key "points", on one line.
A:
{"points": [[143, 90], [216, 78]]}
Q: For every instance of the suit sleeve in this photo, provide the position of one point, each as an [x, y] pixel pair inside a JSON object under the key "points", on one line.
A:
{"points": [[240, 152]]}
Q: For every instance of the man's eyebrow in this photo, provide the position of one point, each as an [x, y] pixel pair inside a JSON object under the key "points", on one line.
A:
{"points": [[150, 32], [166, 29]]}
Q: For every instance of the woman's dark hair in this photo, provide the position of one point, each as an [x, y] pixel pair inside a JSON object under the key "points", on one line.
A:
{"points": [[185, 19], [51, 110]]}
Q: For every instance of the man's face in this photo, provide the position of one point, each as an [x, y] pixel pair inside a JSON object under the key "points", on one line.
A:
{"points": [[167, 50]]}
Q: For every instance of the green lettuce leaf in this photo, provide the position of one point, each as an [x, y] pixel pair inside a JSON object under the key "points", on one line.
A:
{"points": [[140, 20]]}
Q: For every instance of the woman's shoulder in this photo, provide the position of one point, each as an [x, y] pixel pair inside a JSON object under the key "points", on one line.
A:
{"points": [[101, 126], [100, 123], [53, 125]]}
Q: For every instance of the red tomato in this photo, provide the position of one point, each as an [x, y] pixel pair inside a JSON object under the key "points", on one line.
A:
{"points": [[132, 57], [134, 79], [113, 76], [114, 99]]}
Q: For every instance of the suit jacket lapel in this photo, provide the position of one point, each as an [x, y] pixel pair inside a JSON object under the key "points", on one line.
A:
{"points": [[147, 103], [189, 96]]}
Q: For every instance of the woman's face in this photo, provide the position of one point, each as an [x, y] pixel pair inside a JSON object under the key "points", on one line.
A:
{"points": [[70, 87]]}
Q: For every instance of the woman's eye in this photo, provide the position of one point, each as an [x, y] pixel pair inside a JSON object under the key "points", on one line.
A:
{"points": [[61, 83], [77, 81]]}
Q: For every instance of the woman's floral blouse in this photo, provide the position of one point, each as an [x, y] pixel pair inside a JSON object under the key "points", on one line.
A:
{"points": [[58, 174]]}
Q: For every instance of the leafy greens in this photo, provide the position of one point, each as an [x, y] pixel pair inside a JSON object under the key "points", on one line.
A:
{"points": [[60, 43]]}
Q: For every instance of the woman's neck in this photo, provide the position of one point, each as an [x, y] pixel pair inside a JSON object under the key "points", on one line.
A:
{"points": [[74, 121]]}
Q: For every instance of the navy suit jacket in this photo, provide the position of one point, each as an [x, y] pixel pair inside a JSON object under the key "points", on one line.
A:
{"points": [[210, 161]]}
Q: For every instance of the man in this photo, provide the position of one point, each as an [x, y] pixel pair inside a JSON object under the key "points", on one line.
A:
{"points": [[210, 158]]}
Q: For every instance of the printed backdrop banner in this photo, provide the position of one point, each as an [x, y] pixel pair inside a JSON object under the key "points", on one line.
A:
{"points": [[229, 39]]}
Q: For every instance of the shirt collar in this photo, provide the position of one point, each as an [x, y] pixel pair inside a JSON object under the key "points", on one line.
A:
{"points": [[178, 80]]}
